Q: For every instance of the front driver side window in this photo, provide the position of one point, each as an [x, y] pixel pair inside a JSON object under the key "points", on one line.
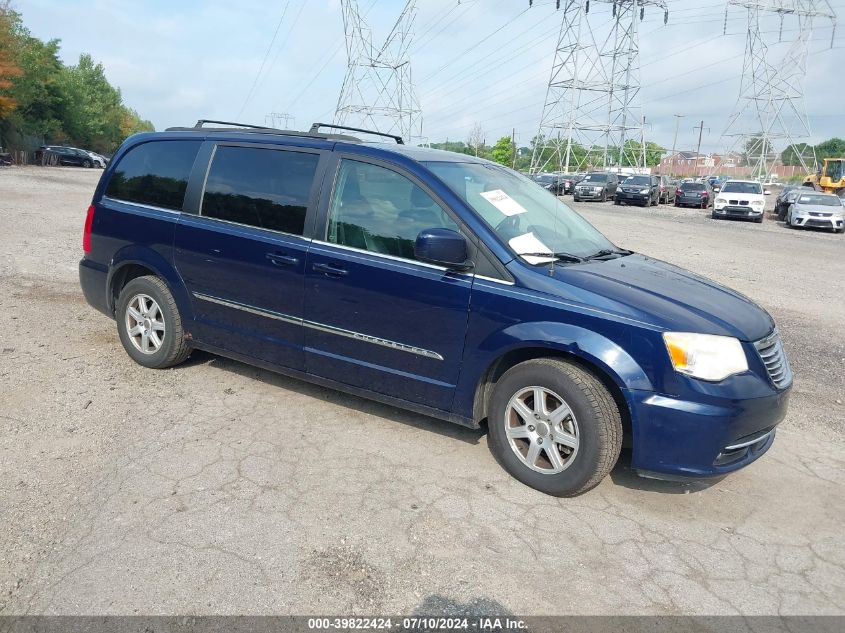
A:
{"points": [[379, 210]]}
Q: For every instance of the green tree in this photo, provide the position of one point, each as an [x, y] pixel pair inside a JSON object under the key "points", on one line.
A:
{"points": [[757, 148], [503, 151], [9, 68], [633, 154], [45, 99], [792, 155], [35, 90], [831, 148]]}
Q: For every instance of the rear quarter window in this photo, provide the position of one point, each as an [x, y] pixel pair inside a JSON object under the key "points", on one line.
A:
{"points": [[154, 173]]}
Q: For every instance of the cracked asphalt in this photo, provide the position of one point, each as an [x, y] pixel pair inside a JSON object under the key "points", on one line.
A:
{"points": [[219, 488]]}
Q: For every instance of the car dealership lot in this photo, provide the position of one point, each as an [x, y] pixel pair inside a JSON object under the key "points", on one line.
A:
{"points": [[218, 487]]}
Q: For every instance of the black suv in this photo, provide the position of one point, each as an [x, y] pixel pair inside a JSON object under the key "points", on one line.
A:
{"points": [[642, 190], [599, 186]]}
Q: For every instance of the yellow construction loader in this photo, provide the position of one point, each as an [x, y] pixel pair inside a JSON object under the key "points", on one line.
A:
{"points": [[830, 178]]}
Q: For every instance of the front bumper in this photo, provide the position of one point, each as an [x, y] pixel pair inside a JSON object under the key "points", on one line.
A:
{"points": [[807, 220], [588, 194], [737, 211], [679, 438], [635, 198]]}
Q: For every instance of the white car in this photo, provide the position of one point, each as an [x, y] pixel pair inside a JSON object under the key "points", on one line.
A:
{"points": [[818, 210], [740, 199]]}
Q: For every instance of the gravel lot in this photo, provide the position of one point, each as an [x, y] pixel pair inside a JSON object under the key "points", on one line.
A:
{"points": [[198, 489]]}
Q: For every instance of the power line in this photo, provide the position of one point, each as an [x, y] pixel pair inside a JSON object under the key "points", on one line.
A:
{"points": [[264, 60]]}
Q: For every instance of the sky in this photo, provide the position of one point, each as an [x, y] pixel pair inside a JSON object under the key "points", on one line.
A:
{"points": [[474, 62]]}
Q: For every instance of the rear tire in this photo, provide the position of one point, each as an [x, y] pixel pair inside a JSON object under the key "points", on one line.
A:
{"points": [[87, 164], [149, 324], [586, 436]]}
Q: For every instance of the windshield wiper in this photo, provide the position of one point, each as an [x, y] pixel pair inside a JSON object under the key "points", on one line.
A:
{"points": [[564, 256], [606, 252]]}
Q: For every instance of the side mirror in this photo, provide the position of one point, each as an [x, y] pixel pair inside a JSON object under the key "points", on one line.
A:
{"points": [[444, 247]]}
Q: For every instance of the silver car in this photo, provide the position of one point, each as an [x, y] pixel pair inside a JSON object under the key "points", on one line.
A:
{"points": [[817, 210]]}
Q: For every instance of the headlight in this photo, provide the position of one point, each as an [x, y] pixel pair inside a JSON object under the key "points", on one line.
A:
{"points": [[720, 201], [705, 356], [757, 203]]}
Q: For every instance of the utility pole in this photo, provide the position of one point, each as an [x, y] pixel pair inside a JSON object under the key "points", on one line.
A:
{"points": [[678, 118], [700, 129], [513, 147], [642, 141]]}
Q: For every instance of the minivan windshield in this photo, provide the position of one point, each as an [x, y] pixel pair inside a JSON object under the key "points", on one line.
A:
{"points": [[734, 186], [522, 213]]}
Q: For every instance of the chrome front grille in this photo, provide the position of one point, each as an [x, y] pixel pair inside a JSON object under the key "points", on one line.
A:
{"points": [[774, 358]]}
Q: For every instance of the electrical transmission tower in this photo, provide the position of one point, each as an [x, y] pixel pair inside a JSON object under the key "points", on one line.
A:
{"points": [[590, 115], [378, 92], [770, 109]]}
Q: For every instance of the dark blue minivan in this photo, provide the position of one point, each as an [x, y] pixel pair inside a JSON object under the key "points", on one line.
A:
{"points": [[437, 282]]}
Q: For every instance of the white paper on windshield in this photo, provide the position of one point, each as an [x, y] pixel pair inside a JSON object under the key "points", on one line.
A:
{"points": [[528, 243], [503, 202]]}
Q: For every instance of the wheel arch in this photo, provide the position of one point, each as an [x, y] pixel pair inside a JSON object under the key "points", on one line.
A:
{"points": [[137, 261], [585, 348]]}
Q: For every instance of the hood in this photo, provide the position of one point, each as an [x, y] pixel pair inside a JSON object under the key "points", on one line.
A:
{"points": [[818, 208], [660, 293]]}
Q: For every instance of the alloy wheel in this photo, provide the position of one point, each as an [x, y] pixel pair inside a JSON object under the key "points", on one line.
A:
{"points": [[145, 324], [542, 430]]}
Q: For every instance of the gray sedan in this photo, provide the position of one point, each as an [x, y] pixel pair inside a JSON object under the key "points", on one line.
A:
{"points": [[817, 210]]}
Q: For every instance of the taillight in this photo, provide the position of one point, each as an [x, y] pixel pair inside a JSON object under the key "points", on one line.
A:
{"points": [[702, 194], [86, 233], [679, 192]]}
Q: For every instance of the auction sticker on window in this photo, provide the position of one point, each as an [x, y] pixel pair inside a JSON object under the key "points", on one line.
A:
{"points": [[503, 202]]}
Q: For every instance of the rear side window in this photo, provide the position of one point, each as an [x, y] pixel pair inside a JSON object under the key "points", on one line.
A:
{"points": [[266, 188], [154, 173]]}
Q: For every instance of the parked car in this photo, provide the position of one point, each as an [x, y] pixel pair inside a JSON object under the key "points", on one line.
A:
{"points": [[99, 160], [667, 189], [569, 182], [786, 197], [596, 186], [437, 282], [740, 199], [555, 183], [693, 194], [641, 190], [69, 156], [816, 210]]}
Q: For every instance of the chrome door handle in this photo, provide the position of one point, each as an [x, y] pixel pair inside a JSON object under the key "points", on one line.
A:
{"points": [[280, 259], [331, 270]]}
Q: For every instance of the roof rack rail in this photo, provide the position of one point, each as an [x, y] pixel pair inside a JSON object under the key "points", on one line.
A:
{"points": [[315, 128], [244, 128], [202, 122]]}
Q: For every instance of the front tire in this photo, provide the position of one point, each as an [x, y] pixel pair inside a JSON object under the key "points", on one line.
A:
{"points": [[149, 324], [554, 426]]}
